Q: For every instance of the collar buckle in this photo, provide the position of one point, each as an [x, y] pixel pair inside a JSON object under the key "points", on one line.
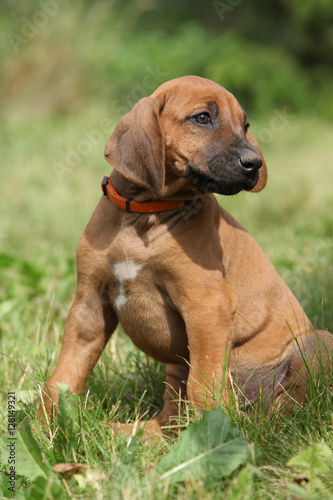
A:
{"points": [[127, 206], [104, 183]]}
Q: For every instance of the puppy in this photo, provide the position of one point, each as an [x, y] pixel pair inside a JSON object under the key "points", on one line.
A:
{"points": [[188, 284]]}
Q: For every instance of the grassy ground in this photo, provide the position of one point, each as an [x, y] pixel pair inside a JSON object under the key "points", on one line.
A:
{"points": [[43, 216]]}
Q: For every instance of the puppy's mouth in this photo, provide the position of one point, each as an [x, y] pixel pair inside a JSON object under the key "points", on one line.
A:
{"points": [[210, 184], [251, 183]]}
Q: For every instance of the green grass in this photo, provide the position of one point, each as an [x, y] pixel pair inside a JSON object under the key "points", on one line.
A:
{"points": [[42, 220]]}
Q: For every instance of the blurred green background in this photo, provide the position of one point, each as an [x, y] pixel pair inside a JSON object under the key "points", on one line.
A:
{"points": [[59, 56], [69, 71]]}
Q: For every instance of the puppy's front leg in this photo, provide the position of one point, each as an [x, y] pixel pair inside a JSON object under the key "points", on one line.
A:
{"points": [[209, 329], [88, 327]]}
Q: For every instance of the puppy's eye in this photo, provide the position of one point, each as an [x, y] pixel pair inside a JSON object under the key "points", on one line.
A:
{"points": [[246, 126], [202, 118]]}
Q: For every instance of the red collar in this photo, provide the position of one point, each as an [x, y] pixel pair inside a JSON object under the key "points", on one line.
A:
{"points": [[129, 205]]}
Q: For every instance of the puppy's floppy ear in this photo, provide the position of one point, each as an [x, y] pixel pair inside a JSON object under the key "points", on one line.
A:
{"points": [[263, 169], [136, 147]]}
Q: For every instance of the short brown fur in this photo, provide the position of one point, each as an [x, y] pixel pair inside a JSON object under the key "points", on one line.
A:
{"points": [[199, 281]]}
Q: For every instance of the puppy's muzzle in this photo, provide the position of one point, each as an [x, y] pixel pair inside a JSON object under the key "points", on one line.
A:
{"points": [[250, 164]]}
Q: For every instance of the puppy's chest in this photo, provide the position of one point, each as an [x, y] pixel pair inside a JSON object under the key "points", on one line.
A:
{"points": [[128, 282], [131, 284], [145, 310], [133, 280]]}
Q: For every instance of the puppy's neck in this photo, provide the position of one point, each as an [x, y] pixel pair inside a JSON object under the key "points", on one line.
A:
{"points": [[180, 190], [152, 225], [128, 189]]}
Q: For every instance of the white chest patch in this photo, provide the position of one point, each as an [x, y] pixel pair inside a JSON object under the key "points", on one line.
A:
{"points": [[125, 271]]}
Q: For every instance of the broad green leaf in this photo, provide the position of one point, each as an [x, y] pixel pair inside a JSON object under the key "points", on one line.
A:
{"points": [[313, 458], [45, 489], [5, 492], [314, 462], [211, 447], [26, 397], [300, 493], [28, 460], [242, 485]]}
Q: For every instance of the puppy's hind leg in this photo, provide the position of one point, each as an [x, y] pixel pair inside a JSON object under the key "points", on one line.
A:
{"points": [[174, 394], [285, 382], [166, 420], [311, 353]]}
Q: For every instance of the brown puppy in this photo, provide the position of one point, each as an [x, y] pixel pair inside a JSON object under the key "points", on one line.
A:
{"points": [[187, 282]]}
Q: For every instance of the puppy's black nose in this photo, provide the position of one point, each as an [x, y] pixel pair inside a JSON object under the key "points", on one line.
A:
{"points": [[250, 162]]}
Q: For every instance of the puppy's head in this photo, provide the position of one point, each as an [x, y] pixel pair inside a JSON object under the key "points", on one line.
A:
{"points": [[191, 135]]}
